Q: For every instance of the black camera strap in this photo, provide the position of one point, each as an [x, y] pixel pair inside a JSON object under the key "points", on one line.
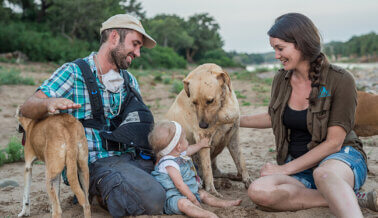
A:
{"points": [[98, 121]]}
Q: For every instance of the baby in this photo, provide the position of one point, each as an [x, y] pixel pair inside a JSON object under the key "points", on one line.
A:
{"points": [[176, 173]]}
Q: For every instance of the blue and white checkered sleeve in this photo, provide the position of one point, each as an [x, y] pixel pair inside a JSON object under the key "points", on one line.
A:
{"points": [[61, 82], [134, 82]]}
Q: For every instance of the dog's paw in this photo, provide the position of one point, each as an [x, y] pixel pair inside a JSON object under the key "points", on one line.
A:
{"points": [[247, 182], [222, 183], [24, 213], [215, 193]]}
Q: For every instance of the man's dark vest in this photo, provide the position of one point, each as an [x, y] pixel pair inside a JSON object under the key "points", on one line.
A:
{"points": [[130, 128]]}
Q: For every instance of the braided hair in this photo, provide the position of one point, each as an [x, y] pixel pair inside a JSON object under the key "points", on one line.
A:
{"points": [[314, 76], [298, 29]]}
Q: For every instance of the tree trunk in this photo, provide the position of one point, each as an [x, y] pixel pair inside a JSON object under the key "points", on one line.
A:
{"points": [[42, 12], [165, 44], [190, 54]]}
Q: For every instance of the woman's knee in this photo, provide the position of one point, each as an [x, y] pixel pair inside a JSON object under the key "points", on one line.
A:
{"points": [[322, 175], [261, 193]]}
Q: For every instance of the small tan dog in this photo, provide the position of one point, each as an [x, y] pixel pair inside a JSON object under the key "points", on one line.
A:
{"points": [[58, 140], [207, 107], [366, 118]]}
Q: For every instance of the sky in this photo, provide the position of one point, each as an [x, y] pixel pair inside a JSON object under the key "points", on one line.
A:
{"points": [[244, 23]]}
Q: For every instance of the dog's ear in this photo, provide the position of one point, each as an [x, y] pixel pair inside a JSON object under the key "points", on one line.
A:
{"points": [[226, 79], [186, 87]]}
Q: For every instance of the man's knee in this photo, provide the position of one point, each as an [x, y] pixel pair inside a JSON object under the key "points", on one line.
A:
{"points": [[128, 199], [134, 192], [155, 200]]}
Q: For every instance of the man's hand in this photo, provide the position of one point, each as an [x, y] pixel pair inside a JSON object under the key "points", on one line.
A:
{"points": [[54, 104], [272, 169], [39, 105]]}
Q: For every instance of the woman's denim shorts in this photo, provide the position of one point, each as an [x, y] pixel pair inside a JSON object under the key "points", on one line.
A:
{"points": [[348, 155]]}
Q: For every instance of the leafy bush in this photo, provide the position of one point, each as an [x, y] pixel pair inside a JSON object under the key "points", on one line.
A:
{"points": [[167, 80], [239, 95], [2, 158], [262, 70], [177, 86], [13, 152], [218, 57], [159, 57], [39, 43], [246, 103], [158, 78], [12, 77]]}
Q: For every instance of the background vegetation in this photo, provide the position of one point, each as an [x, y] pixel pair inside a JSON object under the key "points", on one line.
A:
{"points": [[13, 152], [364, 48], [63, 30], [60, 31]]}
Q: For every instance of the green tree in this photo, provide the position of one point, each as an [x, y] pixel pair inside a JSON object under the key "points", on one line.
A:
{"points": [[357, 46], [5, 12], [134, 8], [81, 18], [218, 56], [32, 10], [204, 30], [169, 31], [75, 18]]}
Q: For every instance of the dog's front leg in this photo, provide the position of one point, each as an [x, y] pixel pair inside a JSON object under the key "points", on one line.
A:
{"points": [[27, 183], [238, 158], [207, 173]]}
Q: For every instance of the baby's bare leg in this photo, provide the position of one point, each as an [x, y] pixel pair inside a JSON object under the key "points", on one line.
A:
{"points": [[192, 210], [211, 200]]}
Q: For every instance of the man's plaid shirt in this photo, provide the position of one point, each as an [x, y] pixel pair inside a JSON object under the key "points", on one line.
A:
{"points": [[68, 82]]}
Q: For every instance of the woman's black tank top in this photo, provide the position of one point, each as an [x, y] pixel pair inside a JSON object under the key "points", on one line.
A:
{"points": [[299, 137]]}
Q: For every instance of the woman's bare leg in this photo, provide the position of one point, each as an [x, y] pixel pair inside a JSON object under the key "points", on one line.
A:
{"points": [[335, 180], [211, 200], [192, 210], [281, 192]]}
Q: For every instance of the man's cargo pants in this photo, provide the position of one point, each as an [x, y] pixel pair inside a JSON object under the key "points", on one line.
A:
{"points": [[125, 185]]}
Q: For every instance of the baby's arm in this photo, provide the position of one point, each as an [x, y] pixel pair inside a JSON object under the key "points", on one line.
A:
{"points": [[192, 149], [180, 185]]}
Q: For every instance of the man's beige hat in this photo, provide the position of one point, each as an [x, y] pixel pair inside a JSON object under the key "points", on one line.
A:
{"points": [[129, 22]]}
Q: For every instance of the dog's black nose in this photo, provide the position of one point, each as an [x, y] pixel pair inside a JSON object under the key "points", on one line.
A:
{"points": [[203, 125]]}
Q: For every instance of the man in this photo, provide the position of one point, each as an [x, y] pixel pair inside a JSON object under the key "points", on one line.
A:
{"points": [[120, 178]]}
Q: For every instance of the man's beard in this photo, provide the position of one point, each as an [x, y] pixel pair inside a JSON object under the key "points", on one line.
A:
{"points": [[119, 58]]}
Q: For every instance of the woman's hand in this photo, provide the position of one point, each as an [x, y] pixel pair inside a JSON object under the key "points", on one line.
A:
{"points": [[273, 169]]}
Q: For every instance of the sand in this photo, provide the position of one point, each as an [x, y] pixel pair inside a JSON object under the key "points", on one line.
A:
{"points": [[257, 146]]}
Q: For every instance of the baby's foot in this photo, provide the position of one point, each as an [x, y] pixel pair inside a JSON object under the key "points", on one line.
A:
{"points": [[232, 203]]}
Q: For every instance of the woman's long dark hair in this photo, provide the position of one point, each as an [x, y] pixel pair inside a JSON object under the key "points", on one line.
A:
{"points": [[298, 29]]}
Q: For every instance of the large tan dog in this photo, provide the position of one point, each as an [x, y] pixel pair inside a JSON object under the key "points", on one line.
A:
{"points": [[207, 107], [58, 140], [366, 118]]}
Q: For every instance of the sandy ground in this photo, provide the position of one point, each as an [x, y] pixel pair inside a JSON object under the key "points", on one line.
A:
{"points": [[257, 147]]}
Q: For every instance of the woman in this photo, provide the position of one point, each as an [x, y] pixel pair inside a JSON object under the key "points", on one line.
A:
{"points": [[320, 159]]}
